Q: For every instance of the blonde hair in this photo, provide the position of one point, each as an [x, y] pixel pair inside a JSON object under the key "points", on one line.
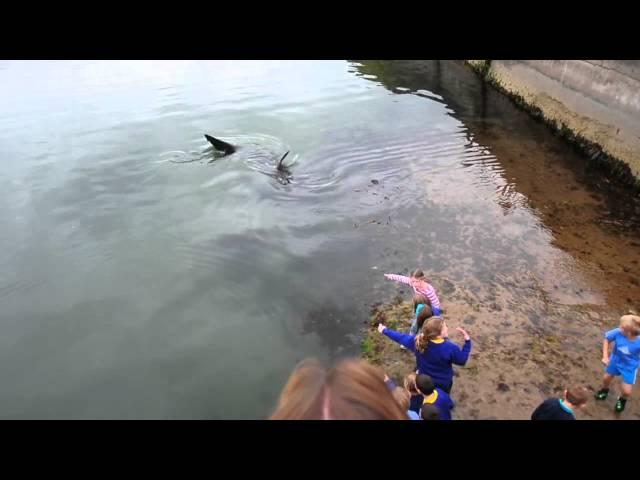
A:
{"points": [[430, 331], [410, 384], [352, 390], [630, 323], [402, 397]]}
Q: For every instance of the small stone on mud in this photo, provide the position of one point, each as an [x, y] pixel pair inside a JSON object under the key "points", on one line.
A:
{"points": [[470, 321], [503, 387]]}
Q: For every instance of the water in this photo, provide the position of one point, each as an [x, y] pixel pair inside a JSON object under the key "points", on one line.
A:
{"points": [[137, 280]]}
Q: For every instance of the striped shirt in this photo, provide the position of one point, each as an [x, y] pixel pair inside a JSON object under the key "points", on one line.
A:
{"points": [[419, 286]]}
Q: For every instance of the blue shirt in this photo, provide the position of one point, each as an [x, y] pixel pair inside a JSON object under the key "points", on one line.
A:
{"points": [[627, 352], [442, 401], [438, 359], [565, 408], [416, 403], [413, 415], [553, 409]]}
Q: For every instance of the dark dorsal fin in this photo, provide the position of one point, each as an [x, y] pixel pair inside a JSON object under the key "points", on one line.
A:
{"points": [[280, 166], [225, 147]]}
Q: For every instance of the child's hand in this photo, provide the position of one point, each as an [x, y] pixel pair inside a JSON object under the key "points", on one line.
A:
{"points": [[381, 327], [605, 360], [386, 378], [464, 333]]}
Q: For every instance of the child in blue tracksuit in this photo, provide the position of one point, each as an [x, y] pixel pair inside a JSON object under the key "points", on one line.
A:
{"points": [[435, 354], [624, 360], [435, 396]]}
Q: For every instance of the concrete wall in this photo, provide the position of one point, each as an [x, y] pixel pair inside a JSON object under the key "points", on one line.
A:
{"points": [[598, 100]]}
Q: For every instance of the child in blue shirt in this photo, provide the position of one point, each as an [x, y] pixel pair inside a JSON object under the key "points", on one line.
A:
{"points": [[435, 396], [624, 360], [434, 353]]}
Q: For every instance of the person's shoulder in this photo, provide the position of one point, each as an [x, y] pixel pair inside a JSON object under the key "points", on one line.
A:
{"points": [[450, 344], [550, 403], [613, 333], [549, 409]]}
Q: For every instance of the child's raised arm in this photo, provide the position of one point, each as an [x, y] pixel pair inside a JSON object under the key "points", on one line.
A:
{"points": [[461, 355], [408, 341], [398, 278]]}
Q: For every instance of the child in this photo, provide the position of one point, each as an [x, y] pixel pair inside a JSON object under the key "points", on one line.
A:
{"points": [[434, 353], [435, 396], [404, 398], [416, 397], [420, 285], [429, 412], [625, 358], [562, 409], [423, 311]]}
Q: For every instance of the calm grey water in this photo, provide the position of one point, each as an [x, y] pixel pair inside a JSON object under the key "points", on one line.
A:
{"points": [[139, 281]]}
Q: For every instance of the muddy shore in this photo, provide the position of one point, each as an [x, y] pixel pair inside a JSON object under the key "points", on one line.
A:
{"points": [[516, 361]]}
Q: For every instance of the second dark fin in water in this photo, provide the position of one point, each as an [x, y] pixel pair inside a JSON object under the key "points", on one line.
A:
{"points": [[282, 167], [225, 147]]}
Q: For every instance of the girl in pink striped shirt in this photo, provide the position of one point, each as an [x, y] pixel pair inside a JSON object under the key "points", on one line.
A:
{"points": [[418, 282]]}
